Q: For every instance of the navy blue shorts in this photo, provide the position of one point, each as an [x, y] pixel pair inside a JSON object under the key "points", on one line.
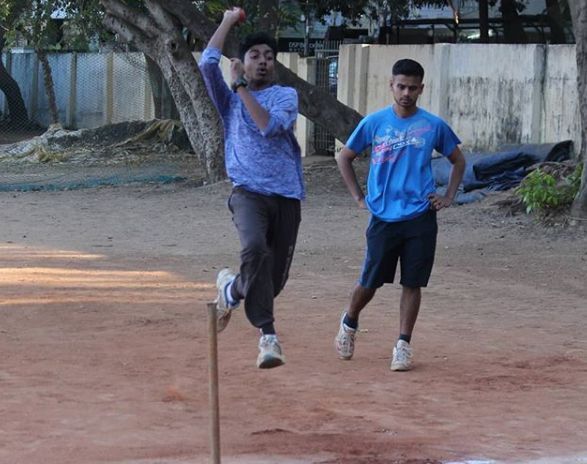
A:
{"points": [[412, 242]]}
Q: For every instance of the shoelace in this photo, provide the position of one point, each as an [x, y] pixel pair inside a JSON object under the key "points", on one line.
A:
{"points": [[403, 354], [270, 342], [348, 338]]}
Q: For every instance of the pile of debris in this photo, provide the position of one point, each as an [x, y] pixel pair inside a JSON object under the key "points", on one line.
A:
{"points": [[136, 151]]}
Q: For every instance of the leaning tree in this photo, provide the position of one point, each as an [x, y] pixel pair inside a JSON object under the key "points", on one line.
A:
{"points": [[157, 31]]}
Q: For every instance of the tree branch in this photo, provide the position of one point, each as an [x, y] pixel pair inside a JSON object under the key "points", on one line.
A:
{"points": [[129, 34], [197, 23], [130, 15], [164, 19]]}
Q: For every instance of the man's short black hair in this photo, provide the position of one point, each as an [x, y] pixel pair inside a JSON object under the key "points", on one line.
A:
{"points": [[257, 38], [407, 67]]}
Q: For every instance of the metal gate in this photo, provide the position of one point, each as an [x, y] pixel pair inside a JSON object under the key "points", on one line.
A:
{"points": [[326, 79]]}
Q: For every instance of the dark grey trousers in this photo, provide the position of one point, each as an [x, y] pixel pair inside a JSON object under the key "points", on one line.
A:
{"points": [[268, 228]]}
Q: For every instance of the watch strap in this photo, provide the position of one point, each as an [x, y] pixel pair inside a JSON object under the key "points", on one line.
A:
{"points": [[240, 82]]}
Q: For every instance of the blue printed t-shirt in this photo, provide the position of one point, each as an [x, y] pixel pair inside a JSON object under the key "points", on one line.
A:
{"points": [[400, 176], [263, 161]]}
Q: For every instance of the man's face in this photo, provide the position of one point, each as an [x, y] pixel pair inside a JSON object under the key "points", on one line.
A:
{"points": [[259, 64], [406, 90]]}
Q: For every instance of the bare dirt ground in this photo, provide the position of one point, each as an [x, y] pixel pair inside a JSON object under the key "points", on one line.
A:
{"points": [[103, 344]]}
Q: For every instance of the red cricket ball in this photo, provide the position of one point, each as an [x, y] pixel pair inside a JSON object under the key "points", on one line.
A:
{"points": [[242, 16]]}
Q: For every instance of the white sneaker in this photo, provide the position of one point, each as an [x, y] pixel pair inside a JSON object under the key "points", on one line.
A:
{"points": [[402, 356], [223, 306], [270, 354], [345, 340]]}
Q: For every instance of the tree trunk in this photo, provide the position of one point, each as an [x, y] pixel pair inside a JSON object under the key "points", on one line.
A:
{"points": [[579, 15], [16, 107], [513, 28], [202, 114], [163, 100], [156, 84], [555, 22], [49, 86], [159, 36], [203, 127]]}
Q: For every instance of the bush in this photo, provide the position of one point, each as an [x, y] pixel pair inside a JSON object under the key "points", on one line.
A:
{"points": [[546, 192]]}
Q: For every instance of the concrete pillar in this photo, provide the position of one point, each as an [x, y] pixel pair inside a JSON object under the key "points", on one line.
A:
{"points": [[362, 78], [353, 76], [346, 74], [289, 60], [439, 80], [353, 79], [535, 131], [306, 69]]}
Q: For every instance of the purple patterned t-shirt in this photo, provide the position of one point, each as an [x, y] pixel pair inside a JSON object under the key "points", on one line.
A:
{"points": [[267, 162]]}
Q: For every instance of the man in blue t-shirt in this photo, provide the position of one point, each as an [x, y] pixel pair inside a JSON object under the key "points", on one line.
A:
{"points": [[402, 201], [263, 161]]}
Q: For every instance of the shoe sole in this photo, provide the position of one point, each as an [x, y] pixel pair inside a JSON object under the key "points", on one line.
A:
{"points": [[270, 362], [400, 368], [222, 320]]}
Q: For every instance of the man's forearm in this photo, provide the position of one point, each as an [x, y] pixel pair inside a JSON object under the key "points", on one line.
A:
{"points": [[219, 36], [259, 114], [456, 176], [349, 177]]}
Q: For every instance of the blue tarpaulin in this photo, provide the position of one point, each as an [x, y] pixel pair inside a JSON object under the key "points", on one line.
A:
{"points": [[501, 170]]}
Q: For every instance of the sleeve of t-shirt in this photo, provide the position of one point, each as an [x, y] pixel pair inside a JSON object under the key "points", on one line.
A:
{"points": [[214, 80], [361, 137], [283, 112], [446, 140]]}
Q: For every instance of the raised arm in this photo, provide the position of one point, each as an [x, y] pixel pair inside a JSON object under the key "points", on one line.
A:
{"points": [[209, 63], [230, 18]]}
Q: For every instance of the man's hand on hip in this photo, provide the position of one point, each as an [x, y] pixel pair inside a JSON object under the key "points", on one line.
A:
{"points": [[437, 202]]}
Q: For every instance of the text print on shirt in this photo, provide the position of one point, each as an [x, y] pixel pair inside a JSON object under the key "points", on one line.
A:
{"points": [[389, 147]]}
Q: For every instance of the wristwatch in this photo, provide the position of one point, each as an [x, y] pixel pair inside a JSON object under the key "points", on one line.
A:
{"points": [[240, 82]]}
